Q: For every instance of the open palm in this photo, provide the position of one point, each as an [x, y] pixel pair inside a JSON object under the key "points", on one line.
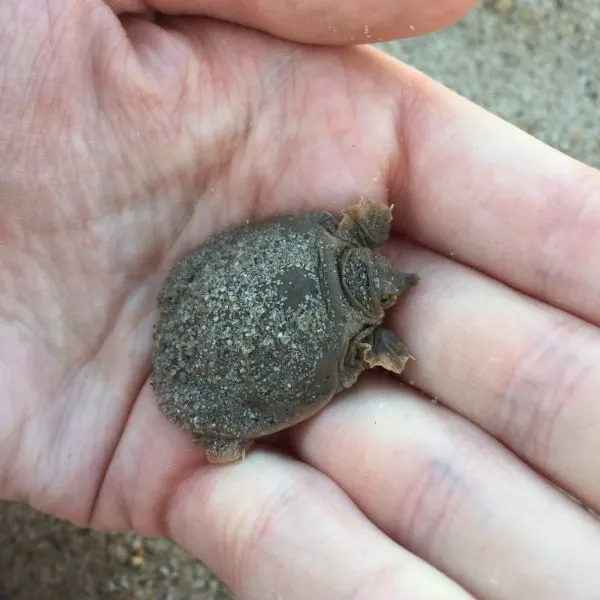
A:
{"points": [[127, 142]]}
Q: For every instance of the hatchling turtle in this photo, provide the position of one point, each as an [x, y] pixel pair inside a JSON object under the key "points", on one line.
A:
{"points": [[261, 326]]}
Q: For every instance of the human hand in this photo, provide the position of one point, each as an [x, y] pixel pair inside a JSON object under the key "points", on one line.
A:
{"points": [[124, 149]]}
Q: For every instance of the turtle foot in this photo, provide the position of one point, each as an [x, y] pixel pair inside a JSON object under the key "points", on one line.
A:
{"points": [[385, 350], [225, 451]]}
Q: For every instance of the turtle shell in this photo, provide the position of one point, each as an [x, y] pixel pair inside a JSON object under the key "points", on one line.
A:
{"points": [[253, 329]]}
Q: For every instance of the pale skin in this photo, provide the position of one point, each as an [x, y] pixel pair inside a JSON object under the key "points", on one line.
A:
{"points": [[124, 144]]}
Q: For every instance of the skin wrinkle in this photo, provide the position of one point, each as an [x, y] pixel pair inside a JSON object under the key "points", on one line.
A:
{"points": [[204, 488], [343, 182], [288, 492], [39, 214], [133, 392], [60, 430], [110, 453], [191, 197], [159, 503], [28, 435], [410, 104], [156, 50], [539, 387], [11, 427], [263, 190], [83, 351], [338, 131], [161, 91], [567, 229], [230, 130], [263, 529], [32, 82], [178, 479], [255, 141], [7, 16], [52, 71], [209, 181], [271, 79], [296, 105], [375, 585], [62, 420], [228, 548], [125, 162], [439, 480], [108, 60], [33, 326], [274, 77], [479, 401], [97, 62], [59, 422], [131, 464], [395, 153]]}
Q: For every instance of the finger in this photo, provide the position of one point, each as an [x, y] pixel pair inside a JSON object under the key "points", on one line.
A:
{"points": [[274, 528], [525, 372], [324, 21], [270, 527], [451, 494], [489, 195]]}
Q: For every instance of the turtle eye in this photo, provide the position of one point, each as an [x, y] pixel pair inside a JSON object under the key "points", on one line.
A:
{"points": [[387, 300]]}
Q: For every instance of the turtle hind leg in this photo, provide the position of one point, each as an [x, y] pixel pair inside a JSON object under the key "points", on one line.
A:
{"points": [[366, 223], [223, 451], [384, 349]]}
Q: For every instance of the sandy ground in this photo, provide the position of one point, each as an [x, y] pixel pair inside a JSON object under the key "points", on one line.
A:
{"points": [[531, 62]]}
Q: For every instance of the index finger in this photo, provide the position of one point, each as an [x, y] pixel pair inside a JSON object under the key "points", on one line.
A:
{"points": [[481, 191]]}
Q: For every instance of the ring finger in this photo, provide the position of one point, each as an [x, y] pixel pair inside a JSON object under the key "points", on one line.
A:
{"points": [[451, 494]]}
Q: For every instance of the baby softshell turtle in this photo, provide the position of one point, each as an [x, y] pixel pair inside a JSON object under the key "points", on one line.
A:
{"points": [[261, 326]]}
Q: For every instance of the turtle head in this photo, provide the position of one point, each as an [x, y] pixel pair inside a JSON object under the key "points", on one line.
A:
{"points": [[371, 283], [389, 283]]}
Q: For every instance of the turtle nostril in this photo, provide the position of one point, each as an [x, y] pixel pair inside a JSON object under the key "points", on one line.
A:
{"points": [[411, 279]]}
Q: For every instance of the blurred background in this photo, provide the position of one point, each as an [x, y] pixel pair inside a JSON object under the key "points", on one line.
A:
{"points": [[536, 63]]}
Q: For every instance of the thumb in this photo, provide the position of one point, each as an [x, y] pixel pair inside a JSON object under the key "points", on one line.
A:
{"points": [[318, 21]]}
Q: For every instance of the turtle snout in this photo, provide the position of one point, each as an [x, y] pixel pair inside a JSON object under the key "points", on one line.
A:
{"points": [[393, 283], [407, 280]]}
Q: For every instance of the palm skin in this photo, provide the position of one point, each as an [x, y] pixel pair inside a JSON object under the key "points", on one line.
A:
{"points": [[129, 142], [164, 160]]}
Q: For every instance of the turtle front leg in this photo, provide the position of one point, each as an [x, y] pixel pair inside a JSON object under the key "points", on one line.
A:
{"points": [[383, 349], [222, 451], [366, 223], [373, 347]]}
